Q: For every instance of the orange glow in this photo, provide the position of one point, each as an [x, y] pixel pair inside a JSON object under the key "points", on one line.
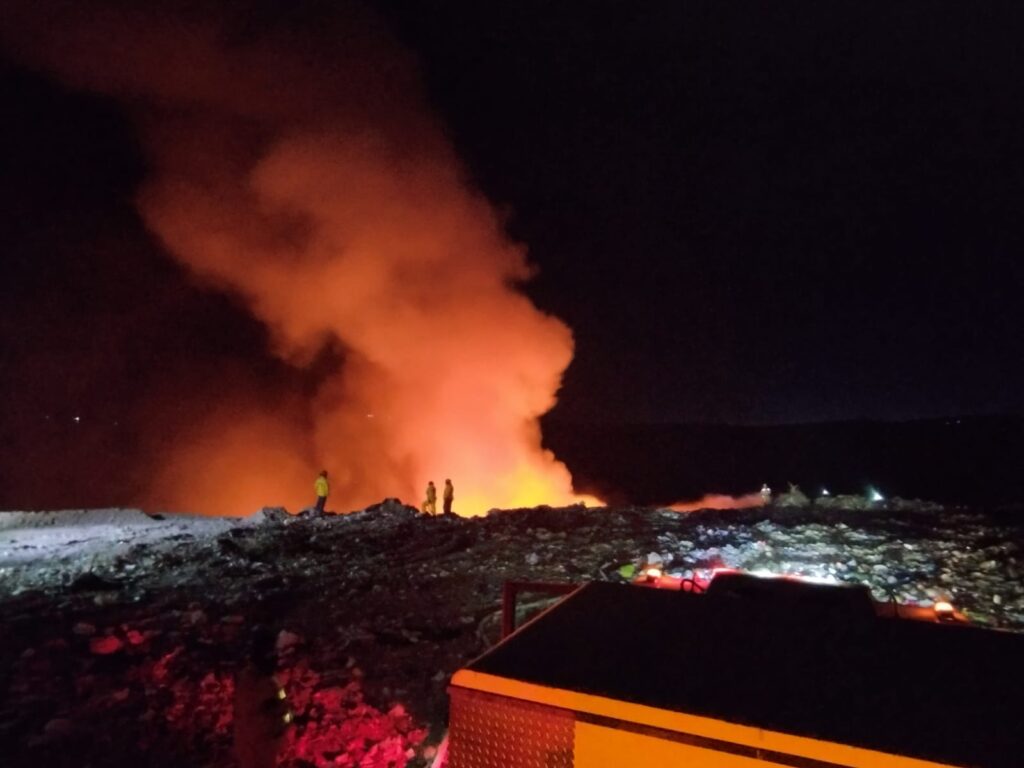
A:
{"points": [[611, 747], [233, 465], [312, 182], [943, 609], [410, 270], [719, 501]]}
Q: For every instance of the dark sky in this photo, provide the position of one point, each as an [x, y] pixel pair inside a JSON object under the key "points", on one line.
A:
{"points": [[747, 213], [756, 213]]}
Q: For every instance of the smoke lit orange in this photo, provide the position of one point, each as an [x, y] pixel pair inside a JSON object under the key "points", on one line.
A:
{"points": [[313, 182]]}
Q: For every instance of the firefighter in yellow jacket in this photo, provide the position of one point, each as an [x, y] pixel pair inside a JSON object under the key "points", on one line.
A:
{"points": [[322, 489], [449, 496], [430, 504], [261, 715]]}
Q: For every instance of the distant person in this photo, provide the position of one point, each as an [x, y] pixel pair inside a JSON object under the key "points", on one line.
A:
{"points": [[261, 714], [766, 495], [322, 489], [449, 496], [430, 505]]}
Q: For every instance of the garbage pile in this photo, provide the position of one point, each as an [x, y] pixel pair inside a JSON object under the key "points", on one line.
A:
{"points": [[127, 654], [161, 693]]}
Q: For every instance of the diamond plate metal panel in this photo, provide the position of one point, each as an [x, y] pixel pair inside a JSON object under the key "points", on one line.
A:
{"points": [[488, 731]]}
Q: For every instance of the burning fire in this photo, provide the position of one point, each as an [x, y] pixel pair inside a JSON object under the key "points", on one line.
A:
{"points": [[719, 501], [310, 179]]}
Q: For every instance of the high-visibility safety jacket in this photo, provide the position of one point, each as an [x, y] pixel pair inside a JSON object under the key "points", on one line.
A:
{"points": [[261, 718], [321, 486]]}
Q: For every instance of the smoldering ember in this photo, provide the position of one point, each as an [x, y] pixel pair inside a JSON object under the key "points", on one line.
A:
{"points": [[122, 634]]}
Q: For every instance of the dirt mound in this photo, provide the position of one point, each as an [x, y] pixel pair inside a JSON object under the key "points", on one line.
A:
{"points": [[77, 518]]}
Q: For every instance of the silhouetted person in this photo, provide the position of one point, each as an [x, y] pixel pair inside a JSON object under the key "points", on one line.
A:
{"points": [[261, 709], [449, 496], [322, 489], [430, 504]]}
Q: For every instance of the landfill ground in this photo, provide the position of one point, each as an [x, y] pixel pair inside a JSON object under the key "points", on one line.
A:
{"points": [[120, 634]]}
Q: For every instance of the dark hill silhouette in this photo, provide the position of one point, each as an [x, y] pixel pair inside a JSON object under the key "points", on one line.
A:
{"points": [[975, 460]]}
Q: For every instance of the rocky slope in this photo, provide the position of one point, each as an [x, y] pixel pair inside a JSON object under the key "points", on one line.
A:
{"points": [[121, 637]]}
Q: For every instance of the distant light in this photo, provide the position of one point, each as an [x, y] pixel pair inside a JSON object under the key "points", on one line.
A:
{"points": [[287, 717], [824, 492], [763, 573], [943, 609], [812, 579], [281, 694], [76, 419], [653, 573], [369, 415], [876, 496]]}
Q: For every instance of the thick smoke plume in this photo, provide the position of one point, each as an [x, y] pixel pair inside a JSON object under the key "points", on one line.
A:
{"points": [[297, 165]]}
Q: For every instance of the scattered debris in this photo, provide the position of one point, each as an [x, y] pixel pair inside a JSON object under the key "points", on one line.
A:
{"points": [[275, 514], [286, 641], [794, 497], [90, 582], [373, 611], [106, 645]]}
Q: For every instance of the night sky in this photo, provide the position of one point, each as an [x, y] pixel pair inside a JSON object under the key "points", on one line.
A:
{"points": [[757, 213], [767, 213]]}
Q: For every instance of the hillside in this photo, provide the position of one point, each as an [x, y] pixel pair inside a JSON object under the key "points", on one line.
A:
{"points": [[121, 635], [974, 461]]}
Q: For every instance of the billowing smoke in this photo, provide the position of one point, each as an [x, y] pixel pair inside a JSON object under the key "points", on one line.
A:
{"points": [[297, 165]]}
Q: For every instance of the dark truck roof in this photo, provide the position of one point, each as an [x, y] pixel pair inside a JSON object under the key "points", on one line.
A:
{"points": [[816, 666]]}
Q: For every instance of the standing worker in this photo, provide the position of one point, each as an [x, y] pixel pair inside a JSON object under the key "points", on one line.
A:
{"points": [[766, 495], [261, 715], [449, 496], [322, 489], [430, 505]]}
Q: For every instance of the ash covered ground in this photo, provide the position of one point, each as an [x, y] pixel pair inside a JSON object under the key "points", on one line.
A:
{"points": [[121, 634]]}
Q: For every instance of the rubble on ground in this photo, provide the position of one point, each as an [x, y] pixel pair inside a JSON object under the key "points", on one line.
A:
{"points": [[120, 638], [794, 497]]}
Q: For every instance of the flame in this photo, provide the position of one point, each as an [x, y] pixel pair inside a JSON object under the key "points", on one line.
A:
{"points": [[719, 501], [310, 179]]}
